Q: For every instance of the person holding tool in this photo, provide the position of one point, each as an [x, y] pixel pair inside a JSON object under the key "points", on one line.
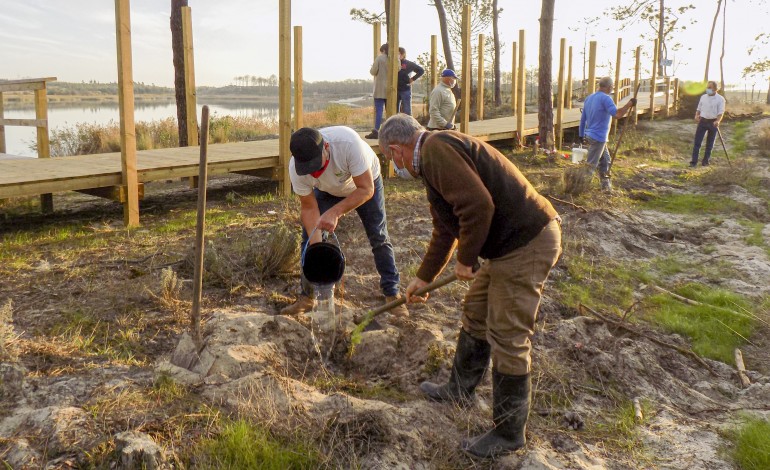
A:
{"points": [[442, 106], [711, 108], [334, 171], [482, 205], [598, 111]]}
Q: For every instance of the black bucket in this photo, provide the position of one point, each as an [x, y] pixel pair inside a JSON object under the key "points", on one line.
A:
{"points": [[323, 262]]}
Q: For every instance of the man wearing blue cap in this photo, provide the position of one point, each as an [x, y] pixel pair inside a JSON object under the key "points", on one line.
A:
{"points": [[442, 103]]}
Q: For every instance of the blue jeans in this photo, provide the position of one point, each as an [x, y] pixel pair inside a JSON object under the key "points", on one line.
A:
{"points": [[404, 104], [704, 126], [372, 215], [598, 155], [379, 110]]}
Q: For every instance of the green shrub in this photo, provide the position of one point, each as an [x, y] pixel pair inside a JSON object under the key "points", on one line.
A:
{"points": [[752, 444]]}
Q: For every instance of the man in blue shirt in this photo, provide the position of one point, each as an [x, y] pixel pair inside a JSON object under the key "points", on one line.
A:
{"points": [[598, 111]]}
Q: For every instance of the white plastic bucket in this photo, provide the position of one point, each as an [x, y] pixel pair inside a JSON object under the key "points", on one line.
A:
{"points": [[578, 154]]}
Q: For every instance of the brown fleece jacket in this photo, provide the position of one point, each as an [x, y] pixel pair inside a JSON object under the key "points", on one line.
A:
{"points": [[477, 196]]}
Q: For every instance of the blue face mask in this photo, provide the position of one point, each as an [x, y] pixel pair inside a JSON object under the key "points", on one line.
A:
{"points": [[710, 92], [403, 173]]}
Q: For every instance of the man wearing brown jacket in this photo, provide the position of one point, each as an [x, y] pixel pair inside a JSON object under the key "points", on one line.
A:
{"points": [[482, 205]]}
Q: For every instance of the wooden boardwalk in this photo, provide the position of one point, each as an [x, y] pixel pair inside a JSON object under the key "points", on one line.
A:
{"points": [[100, 174]]}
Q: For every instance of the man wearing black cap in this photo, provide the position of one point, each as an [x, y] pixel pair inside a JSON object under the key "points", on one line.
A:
{"points": [[442, 103], [335, 171]]}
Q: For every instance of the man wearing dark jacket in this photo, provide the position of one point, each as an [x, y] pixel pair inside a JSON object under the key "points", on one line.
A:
{"points": [[482, 205], [408, 74]]}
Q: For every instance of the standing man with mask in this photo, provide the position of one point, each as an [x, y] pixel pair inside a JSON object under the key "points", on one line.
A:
{"points": [[711, 108], [598, 111], [334, 171], [484, 206], [443, 103]]}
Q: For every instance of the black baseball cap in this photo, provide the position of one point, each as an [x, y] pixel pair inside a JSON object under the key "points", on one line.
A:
{"points": [[306, 147]]}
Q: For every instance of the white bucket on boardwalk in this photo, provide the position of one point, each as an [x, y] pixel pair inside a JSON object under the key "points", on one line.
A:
{"points": [[578, 154]]}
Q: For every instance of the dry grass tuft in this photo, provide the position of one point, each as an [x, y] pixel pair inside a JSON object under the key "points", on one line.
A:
{"points": [[278, 254], [169, 295], [577, 179], [762, 136], [741, 173], [7, 336]]}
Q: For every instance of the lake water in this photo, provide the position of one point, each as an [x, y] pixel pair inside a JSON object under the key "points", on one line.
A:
{"points": [[19, 139]]}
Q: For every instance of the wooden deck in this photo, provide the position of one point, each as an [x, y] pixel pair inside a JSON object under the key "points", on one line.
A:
{"points": [[92, 173]]}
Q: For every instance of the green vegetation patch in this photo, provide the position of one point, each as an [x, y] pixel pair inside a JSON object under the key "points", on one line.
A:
{"points": [[243, 445], [752, 444], [738, 139], [693, 204], [724, 322], [359, 389]]}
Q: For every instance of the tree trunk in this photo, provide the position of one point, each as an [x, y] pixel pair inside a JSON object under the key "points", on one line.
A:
{"points": [[498, 95], [444, 34], [661, 24], [722, 57], [544, 89], [711, 40], [767, 98], [177, 48]]}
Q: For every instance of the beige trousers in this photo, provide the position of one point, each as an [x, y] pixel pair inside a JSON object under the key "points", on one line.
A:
{"points": [[502, 302]]}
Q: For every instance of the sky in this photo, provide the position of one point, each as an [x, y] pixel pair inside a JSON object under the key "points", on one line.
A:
{"points": [[74, 40]]}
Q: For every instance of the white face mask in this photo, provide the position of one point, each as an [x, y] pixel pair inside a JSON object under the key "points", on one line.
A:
{"points": [[403, 173], [710, 92]]}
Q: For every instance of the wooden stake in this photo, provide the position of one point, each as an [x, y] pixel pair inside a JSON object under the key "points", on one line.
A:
{"points": [[745, 382], [666, 112], [638, 416], [560, 94], [298, 104], [394, 62], [200, 228], [281, 173], [653, 80], [637, 77], [189, 77], [433, 63], [480, 81], [2, 127], [466, 81], [514, 78], [376, 39], [568, 98], [521, 98], [592, 67], [43, 143], [616, 93], [126, 113]]}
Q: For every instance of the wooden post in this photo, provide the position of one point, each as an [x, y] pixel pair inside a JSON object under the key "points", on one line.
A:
{"points": [[480, 80], [569, 79], [394, 61], [745, 382], [433, 62], [465, 79], [560, 99], [2, 127], [189, 77], [637, 77], [43, 144], [521, 98], [676, 96], [298, 104], [376, 38], [200, 229], [617, 81], [284, 97], [652, 80], [592, 68], [514, 78], [668, 95], [126, 104]]}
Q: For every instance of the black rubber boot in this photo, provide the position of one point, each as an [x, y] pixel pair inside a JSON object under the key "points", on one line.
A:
{"points": [[470, 363], [510, 411]]}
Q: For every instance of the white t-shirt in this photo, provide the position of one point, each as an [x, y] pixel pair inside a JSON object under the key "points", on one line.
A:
{"points": [[350, 156], [711, 106]]}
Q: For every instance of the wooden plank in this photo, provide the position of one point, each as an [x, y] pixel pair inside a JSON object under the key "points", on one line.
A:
{"points": [[465, 79], [591, 85], [4, 86], [298, 104], [514, 78], [113, 193], [24, 122], [189, 77], [24, 81], [560, 96], [569, 79], [480, 80], [284, 97], [126, 112], [521, 98]]}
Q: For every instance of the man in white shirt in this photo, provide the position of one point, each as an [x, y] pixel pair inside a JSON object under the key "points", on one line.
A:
{"points": [[335, 171], [711, 107]]}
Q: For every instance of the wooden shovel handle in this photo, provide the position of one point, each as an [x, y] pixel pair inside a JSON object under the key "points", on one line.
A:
{"points": [[423, 290]]}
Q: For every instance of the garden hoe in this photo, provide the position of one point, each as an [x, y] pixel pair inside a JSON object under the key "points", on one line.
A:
{"points": [[368, 323], [719, 133], [620, 136]]}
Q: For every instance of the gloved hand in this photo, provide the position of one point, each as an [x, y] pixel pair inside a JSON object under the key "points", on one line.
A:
{"points": [[632, 101], [449, 126]]}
